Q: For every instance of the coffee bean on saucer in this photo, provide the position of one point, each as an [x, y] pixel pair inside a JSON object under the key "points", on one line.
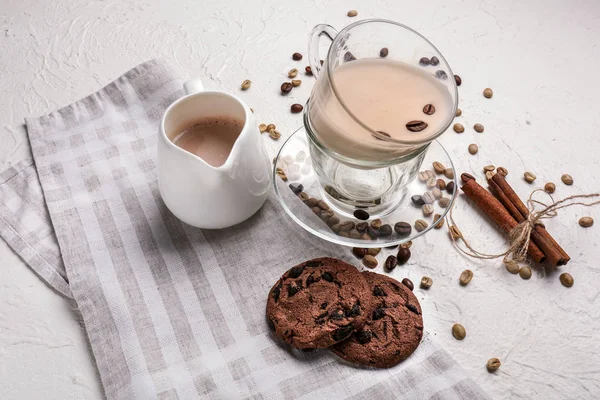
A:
{"points": [[373, 232], [316, 210], [296, 188], [362, 226], [403, 255], [441, 184], [385, 230], [361, 214], [296, 108], [312, 202], [308, 70], [344, 234], [354, 234], [286, 87], [465, 178], [424, 61], [458, 80], [390, 263], [297, 56], [376, 223], [384, 52], [450, 187], [303, 196], [402, 228], [336, 228], [326, 214], [333, 221], [416, 126], [435, 61], [322, 205], [441, 74], [365, 236], [347, 226], [417, 200], [408, 283], [429, 109], [359, 252]]}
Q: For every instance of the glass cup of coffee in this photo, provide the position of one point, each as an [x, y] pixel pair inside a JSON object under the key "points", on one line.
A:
{"points": [[383, 94]]}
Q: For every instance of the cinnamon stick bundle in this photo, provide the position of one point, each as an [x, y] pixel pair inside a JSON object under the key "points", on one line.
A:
{"points": [[496, 211], [555, 254]]}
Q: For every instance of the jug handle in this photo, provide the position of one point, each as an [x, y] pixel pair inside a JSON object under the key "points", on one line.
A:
{"points": [[313, 45], [193, 86]]}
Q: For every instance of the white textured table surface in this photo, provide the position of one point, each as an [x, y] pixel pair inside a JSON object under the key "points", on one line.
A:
{"points": [[541, 59]]}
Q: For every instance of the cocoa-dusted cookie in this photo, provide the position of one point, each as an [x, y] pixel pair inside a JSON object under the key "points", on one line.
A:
{"points": [[318, 303], [393, 330]]}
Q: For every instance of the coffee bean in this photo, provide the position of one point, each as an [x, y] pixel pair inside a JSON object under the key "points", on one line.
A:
{"points": [[347, 226], [567, 179], [308, 70], [385, 230], [303, 196], [437, 193], [403, 255], [286, 87], [296, 188], [478, 128], [359, 252], [246, 84], [326, 214], [423, 177], [344, 234], [438, 167], [465, 277], [312, 202], [427, 210], [262, 128], [458, 112], [566, 279], [529, 177], [402, 228], [435, 61], [420, 225], [321, 62], [369, 261], [450, 187], [488, 93], [361, 214], [444, 202], [473, 148], [429, 109], [440, 223], [316, 210], [449, 173], [513, 267], [296, 108], [362, 226], [292, 73], [352, 13], [429, 198], [374, 251], [488, 168], [417, 200], [296, 56], [502, 171], [354, 234], [376, 223], [465, 178], [441, 184], [441, 74], [416, 126], [381, 133], [390, 263], [426, 282], [296, 82], [586, 222], [493, 364], [455, 233], [424, 61], [458, 331], [525, 272], [373, 232], [271, 127], [458, 128], [365, 236], [384, 52], [550, 187], [348, 56], [280, 173], [430, 174], [458, 80], [408, 283], [333, 221], [406, 245]]}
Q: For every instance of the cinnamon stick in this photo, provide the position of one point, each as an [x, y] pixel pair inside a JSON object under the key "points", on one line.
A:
{"points": [[496, 211], [555, 254]]}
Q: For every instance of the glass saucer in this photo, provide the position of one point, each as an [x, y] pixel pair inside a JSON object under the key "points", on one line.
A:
{"points": [[295, 163]]}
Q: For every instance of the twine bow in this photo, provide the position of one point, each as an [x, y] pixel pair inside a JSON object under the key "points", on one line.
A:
{"points": [[519, 236]]}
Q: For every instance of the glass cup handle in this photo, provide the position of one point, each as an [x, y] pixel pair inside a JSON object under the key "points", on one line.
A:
{"points": [[313, 45]]}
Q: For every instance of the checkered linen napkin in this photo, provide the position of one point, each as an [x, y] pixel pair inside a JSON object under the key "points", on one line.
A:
{"points": [[174, 312]]}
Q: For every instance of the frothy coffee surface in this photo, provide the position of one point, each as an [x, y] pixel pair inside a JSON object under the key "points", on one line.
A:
{"points": [[211, 139]]}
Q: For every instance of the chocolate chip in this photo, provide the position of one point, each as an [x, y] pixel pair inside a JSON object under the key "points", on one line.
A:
{"points": [[361, 214], [354, 311], [411, 307], [417, 200], [277, 292], [378, 314], [364, 336], [337, 315], [403, 228], [323, 306], [342, 332], [416, 126], [310, 280], [378, 291], [327, 276], [385, 230], [292, 290]]}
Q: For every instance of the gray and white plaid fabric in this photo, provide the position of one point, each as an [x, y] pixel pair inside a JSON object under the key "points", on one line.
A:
{"points": [[174, 312]]}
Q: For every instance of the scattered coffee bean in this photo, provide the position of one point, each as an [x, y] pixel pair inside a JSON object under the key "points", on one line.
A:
{"points": [[435, 61], [444, 202], [567, 179], [322, 205], [502, 171], [458, 331], [437, 193], [280, 173], [440, 221], [487, 93], [458, 112], [465, 277], [550, 187], [513, 267], [361, 214], [292, 73], [390, 263], [429, 198], [429, 109], [458, 80], [308, 70], [426, 282], [385, 230], [441, 74], [416, 126], [384, 52], [450, 186], [348, 56], [246, 84], [374, 251], [296, 82], [525, 272], [458, 128], [352, 13], [408, 283], [262, 129], [417, 200], [465, 178], [586, 222], [566, 279], [488, 168], [420, 225], [473, 148], [354, 234], [402, 228], [369, 261], [441, 184], [455, 233], [296, 188], [430, 174], [347, 226], [362, 226], [296, 56], [271, 127], [424, 61], [493, 364], [406, 245], [403, 255], [286, 87], [373, 232], [431, 182], [478, 128], [376, 223], [312, 202], [438, 167], [423, 177], [427, 210], [449, 173], [529, 177], [296, 108]]}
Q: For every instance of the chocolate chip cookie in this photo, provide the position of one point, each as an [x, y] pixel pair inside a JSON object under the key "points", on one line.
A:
{"points": [[393, 330], [318, 303]]}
